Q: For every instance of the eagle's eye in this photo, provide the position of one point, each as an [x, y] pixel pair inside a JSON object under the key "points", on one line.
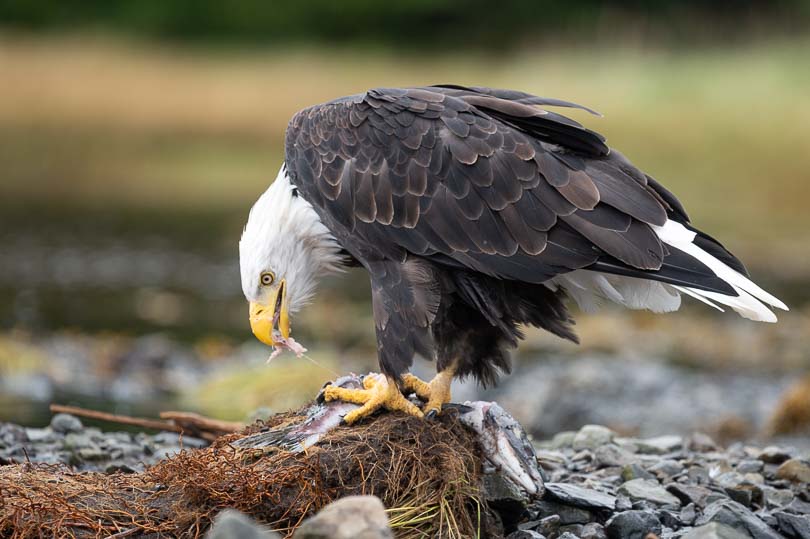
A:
{"points": [[267, 278]]}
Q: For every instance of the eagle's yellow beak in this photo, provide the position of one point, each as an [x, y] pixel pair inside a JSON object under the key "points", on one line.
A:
{"points": [[275, 314]]}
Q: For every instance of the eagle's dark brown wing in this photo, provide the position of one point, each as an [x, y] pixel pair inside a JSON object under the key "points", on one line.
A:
{"points": [[484, 179]]}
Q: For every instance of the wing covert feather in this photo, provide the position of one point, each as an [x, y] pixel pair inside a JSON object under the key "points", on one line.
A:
{"points": [[485, 178]]}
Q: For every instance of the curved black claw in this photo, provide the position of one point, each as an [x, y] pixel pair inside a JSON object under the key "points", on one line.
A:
{"points": [[432, 413]]}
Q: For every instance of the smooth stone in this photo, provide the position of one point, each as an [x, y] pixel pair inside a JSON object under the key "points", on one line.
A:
{"points": [[231, 524], [633, 525], [40, 436], [562, 440], [580, 497], [496, 487], [741, 495], [667, 468], [568, 535], [714, 530], [65, 423], [775, 498], [557, 514], [774, 455], [635, 471], [750, 466], [525, 534], [592, 436], [593, 530], [698, 475], [608, 455], [793, 525], [551, 524], [644, 489], [700, 496], [737, 516], [729, 480], [701, 442], [794, 470], [670, 519], [659, 445], [78, 440], [688, 514], [352, 517], [798, 507]]}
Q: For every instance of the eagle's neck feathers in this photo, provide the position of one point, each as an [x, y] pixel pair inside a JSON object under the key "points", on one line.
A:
{"points": [[285, 235]]}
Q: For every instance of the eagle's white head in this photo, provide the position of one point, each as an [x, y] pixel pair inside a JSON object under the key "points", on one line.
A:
{"points": [[284, 249]]}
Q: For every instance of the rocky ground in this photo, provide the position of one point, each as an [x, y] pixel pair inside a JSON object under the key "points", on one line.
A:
{"points": [[66, 440], [598, 484]]}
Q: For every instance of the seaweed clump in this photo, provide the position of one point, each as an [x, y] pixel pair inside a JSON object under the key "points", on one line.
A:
{"points": [[426, 473]]}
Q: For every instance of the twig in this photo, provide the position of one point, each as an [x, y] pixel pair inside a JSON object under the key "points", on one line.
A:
{"points": [[197, 421], [180, 422]]}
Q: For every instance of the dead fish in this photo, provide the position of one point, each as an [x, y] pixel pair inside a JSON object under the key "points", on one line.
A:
{"points": [[504, 444], [320, 418]]}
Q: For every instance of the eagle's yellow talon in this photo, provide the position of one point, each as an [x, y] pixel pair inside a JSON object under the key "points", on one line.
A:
{"points": [[436, 392], [379, 392]]}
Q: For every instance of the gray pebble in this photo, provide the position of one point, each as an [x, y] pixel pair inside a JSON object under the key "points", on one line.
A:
{"points": [[593, 530], [688, 514], [647, 490], [352, 517], [65, 423], [555, 515], [633, 525], [231, 524], [737, 516], [562, 440], [41, 436], [78, 440], [611, 455], [750, 466], [774, 498], [579, 496], [635, 471], [666, 468], [547, 526], [715, 531], [592, 436], [659, 445], [793, 525], [525, 534]]}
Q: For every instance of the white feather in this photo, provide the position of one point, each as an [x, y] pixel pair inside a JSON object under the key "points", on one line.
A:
{"points": [[751, 299], [590, 288]]}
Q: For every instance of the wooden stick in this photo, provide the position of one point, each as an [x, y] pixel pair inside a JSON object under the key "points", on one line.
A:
{"points": [[116, 418], [201, 422], [180, 422]]}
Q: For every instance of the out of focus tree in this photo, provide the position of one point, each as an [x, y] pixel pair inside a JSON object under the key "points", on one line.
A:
{"points": [[414, 24]]}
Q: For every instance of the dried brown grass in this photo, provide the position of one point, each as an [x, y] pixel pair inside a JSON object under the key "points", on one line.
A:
{"points": [[426, 473]]}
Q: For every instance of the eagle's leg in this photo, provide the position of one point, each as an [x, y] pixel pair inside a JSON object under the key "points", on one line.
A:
{"points": [[379, 391], [436, 392]]}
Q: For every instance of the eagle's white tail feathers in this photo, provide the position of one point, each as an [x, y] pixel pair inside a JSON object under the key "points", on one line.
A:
{"points": [[751, 301], [589, 289]]}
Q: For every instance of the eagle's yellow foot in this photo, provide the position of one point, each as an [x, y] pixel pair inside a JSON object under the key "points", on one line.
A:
{"points": [[436, 392], [379, 392]]}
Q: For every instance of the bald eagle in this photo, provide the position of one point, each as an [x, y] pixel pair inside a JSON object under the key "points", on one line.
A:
{"points": [[475, 211]]}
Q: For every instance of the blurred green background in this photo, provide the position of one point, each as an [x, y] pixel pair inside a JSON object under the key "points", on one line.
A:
{"points": [[134, 137]]}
